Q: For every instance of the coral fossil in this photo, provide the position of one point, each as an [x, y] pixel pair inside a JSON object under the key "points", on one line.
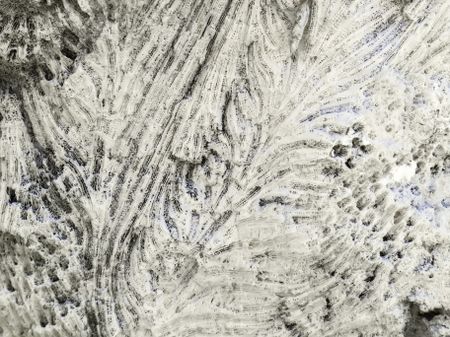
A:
{"points": [[224, 168]]}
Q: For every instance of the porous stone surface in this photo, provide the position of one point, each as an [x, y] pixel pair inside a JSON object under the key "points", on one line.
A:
{"points": [[224, 168]]}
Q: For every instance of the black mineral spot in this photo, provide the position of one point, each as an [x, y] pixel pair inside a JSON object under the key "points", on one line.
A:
{"points": [[429, 315], [9, 286], [12, 54], [12, 195], [398, 216], [363, 294], [339, 150], [59, 201], [388, 237], [75, 302], [415, 190], [43, 321], [331, 171], [290, 325], [346, 183], [349, 163], [27, 269], [357, 127], [69, 53], [417, 323], [408, 239], [434, 169], [89, 46], [24, 215], [70, 36], [63, 262], [356, 142], [86, 260], [369, 278], [52, 275], [446, 164], [67, 184], [191, 190], [60, 296], [92, 322], [361, 203], [276, 200], [366, 148], [54, 169], [48, 74], [37, 259], [30, 25], [420, 166]]}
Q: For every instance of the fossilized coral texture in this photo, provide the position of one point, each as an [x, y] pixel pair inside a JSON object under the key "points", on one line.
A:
{"points": [[225, 168]]}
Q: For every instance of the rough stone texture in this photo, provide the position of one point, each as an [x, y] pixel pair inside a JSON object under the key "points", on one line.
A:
{"points": [[224, 168]]}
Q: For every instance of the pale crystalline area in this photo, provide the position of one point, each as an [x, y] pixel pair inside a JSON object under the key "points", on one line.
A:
{"points": [[225, 168]]}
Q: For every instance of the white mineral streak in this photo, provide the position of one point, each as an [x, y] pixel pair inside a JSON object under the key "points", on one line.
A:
{"points": [[225, 168]]}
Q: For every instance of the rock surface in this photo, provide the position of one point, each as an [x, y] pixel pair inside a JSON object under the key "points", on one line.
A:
{"points": [[225, 168]]}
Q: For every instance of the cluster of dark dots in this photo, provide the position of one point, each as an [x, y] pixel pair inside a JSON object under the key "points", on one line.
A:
{"points": [[350, 153]]}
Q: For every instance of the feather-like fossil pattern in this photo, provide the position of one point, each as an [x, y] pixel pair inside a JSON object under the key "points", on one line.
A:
{"points": [[224, 168]]}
